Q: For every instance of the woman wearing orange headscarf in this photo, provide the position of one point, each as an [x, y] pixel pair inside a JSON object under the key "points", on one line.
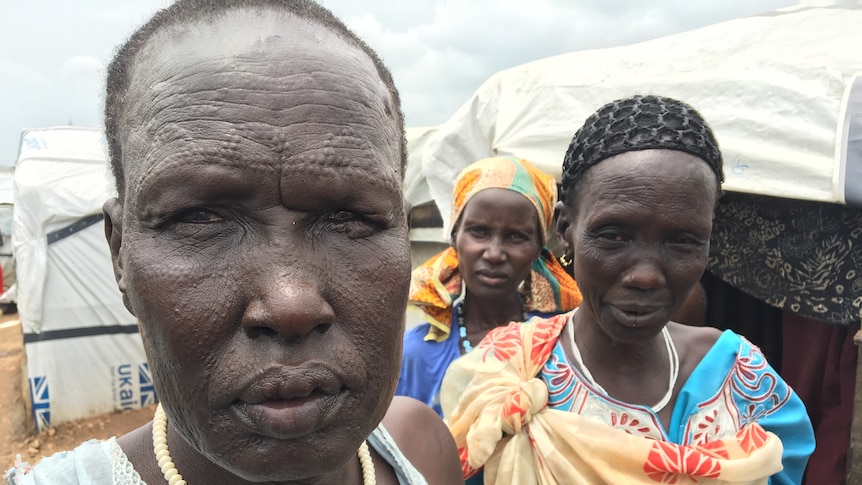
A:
{"points": [[497, 270]]}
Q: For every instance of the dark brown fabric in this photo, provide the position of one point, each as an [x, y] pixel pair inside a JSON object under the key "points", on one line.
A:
{"points": [[733, 309], [820, 365]]}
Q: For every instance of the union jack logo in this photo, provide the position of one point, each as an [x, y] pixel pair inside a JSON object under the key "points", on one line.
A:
{"points": [[41, 398], [148, 390]]}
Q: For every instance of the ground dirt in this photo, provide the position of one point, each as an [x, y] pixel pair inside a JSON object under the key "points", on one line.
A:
{"points": [[17, 435]]}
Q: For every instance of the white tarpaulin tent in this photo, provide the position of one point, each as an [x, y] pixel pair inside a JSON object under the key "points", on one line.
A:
{"points": [[84, 356], [774, 88], [415, 185], [6, 263], [6, 183]]}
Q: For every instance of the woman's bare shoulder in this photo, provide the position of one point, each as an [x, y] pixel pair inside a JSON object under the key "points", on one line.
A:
{"points": [[692, 343], [424, 439]]}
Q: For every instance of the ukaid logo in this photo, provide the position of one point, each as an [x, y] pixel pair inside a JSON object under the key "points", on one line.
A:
{"points": [[41, 399], [133, 386]]}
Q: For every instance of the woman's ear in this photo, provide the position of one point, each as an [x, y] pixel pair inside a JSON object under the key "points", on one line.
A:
{"points": [[453, 239], [113, 213], [561, 226]]}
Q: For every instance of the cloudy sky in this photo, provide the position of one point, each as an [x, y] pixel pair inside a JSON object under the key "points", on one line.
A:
{"points": [[53, 52]]}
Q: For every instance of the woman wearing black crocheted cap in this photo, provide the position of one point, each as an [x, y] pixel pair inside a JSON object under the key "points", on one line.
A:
{"points": [[614, 391]]}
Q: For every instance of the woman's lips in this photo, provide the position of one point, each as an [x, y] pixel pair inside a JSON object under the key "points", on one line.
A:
{"points": [[289, 418], [286, 402], [492, 279], [635, 316]]}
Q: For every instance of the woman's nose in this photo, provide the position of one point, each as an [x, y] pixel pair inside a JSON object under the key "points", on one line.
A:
{"points": [[288, 305], [495, 252], [644, 274]]}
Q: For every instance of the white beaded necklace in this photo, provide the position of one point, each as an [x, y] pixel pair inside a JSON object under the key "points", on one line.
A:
{"points": [[672, 356], [166, 463]]}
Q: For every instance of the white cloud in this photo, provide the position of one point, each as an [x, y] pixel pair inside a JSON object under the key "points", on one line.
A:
{"points": [[439, 60], [81, 68], [52, 54]]}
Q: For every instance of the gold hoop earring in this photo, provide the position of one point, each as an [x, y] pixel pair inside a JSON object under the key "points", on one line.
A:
{"points": [[565, 262]]}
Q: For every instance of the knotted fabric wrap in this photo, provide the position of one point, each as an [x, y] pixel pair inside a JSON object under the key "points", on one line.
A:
{"points": [[436, 284], [497, 411]]}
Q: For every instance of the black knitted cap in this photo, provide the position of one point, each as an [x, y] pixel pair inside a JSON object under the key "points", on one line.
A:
{"points": [[639, 123]]}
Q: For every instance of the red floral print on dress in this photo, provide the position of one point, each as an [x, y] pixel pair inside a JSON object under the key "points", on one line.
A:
{"points": [[751, 438], [667, 462]]}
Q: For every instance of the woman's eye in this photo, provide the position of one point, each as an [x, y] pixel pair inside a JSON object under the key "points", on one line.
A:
{"points": [[199, 216], [354, 224], [686, 241], [478, 231], [343, 216], [199, 224], [611, 236], [517, 236]]}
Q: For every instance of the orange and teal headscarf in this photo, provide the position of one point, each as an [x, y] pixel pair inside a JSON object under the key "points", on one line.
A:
{"points": [[436, 284]]}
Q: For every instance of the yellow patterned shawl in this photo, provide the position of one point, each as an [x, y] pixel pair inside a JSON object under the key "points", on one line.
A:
{"points": [[436, 284], [497, 411]]}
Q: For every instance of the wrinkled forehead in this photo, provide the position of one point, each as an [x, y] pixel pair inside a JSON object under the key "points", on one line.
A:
{"points": [[663, 171], [275, 63], [242, 32]]}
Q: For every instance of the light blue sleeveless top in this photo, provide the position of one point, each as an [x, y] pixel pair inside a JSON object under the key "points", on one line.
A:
{"points": [[104, 463]]}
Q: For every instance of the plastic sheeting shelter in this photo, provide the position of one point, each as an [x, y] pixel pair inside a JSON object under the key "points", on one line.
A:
{"points": [[84, 355], [783, 95], [6, 261], [774, 88], [426, 236], [416, 188], [6, 185]]}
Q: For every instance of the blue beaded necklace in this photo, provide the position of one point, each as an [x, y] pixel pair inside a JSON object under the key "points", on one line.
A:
{"points": [[462, 329]]}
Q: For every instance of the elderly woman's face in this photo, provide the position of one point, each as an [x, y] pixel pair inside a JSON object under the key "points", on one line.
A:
{"points": [[264, 240], [640, 233]]}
